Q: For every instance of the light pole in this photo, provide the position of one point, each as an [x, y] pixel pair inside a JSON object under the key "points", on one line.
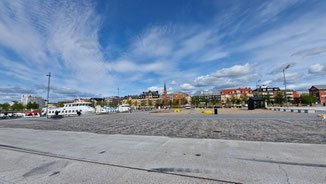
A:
{"points": [[257, 83], [47, 99], [286, 99], [118, 97]]}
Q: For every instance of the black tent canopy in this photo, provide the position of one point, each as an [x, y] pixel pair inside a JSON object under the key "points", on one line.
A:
{"points": [[256, 102]]}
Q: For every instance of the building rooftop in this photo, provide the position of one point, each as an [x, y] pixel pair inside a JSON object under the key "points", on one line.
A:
{"points": [[320, 86]]}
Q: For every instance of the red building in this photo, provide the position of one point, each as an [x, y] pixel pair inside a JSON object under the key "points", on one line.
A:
{"points": [[178, 96], [237, 93], [319, 91]]}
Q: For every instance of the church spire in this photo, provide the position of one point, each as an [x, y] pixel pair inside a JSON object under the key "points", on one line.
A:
{"points": [[164, 86]]}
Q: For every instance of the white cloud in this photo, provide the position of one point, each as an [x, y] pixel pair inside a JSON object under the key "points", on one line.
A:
{"points": [[214, 55], [61, 37], [160, 89], [317, 69], [152, 43], [187, 87], [310, 52], [128, 66], [267, 83], [236, 70], [17, 90], [270, 9], [174, 82], [291, 78], [235, 76]]}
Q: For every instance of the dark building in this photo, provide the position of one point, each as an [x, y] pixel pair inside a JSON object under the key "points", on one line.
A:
{"points": [[319, 91], [256, 102]]}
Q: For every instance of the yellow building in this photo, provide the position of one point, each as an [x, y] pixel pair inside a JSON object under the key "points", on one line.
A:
{"points": [[148, 99]]}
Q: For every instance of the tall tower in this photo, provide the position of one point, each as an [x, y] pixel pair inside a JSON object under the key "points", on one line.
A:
{"points": [[165, 95], [164, 87]]}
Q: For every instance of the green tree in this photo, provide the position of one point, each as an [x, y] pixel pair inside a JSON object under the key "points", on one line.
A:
{"points": [[143, 103], [101, 103], [244, 98], [184, 101], [176, 102], [268, 98], [5, 107], [233, 99], [158, 102], [35, 105], [150, 103], [129, 102], [31, 105], [194, 101], [280, 98], [228, 101], [308, 99], [256, 94], [136, 103], [17, 107], [215, 101], [113, 104]]}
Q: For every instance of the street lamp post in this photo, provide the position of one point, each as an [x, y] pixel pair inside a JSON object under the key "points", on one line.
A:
{"points": [[257, 83], [118, 97], [47, 99], [286, 99]]}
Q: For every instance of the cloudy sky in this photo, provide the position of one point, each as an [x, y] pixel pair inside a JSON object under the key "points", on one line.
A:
{"points": [[93, 47]]}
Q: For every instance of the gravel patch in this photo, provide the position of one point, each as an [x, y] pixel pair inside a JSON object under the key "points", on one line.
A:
{"points": [[283, 127]]}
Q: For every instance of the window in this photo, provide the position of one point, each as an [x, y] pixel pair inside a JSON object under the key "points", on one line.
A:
{"points": [[69, 111]]}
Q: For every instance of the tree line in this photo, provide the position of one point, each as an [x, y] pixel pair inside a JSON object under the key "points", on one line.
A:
{"points": [[19, 106], [281, 99], [159, 102]]}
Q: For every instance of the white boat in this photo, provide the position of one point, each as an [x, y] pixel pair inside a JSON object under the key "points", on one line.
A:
{"points": [[124, 108], [105, 110], [75, 108]]}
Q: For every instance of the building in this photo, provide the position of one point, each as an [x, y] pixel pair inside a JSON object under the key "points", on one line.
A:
{"points": [[166, 97], [150, 98], [292, 95], [210, 95], [81, 99], [113, 100], [25, 99], [319, 91], [12, 103], [180, 98], [267, 92], [227, 94]]}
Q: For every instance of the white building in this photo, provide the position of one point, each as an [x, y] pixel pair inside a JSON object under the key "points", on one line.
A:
{"points": [[25, 99]]}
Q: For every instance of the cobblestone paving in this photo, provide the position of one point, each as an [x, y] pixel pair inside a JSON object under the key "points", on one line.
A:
{"points": [[295, 128]]}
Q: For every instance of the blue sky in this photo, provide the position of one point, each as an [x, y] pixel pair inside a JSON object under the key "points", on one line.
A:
{"points": [[94, 47]]}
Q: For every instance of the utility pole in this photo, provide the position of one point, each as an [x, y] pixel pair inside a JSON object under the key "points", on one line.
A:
{"points": [[257, 83], [118, 97], [286, 99], [47, 99]]}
